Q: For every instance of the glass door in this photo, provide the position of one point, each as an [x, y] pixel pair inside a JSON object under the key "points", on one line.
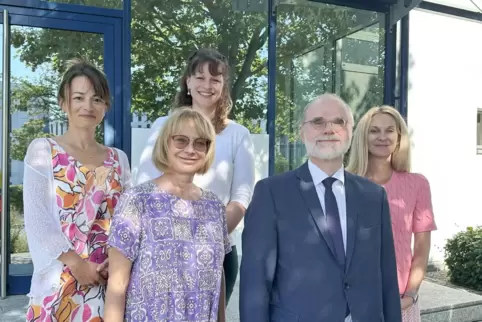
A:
{"points": [[34, 52]]}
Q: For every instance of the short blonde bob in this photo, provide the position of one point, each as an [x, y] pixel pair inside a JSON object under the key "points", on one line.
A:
{"points": [[358, 161], [176, 121]]}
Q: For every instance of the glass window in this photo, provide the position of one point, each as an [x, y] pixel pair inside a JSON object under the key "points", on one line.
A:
{"points": [[38, 57], [163, 36], [323, 49], [111, 4]]}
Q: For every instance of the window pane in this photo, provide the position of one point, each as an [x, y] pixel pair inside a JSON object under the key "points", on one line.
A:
{"points": [[163, 37], [323, 49]]}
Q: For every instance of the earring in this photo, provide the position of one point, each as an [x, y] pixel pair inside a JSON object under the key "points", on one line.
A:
{"points": [[189, 92]]}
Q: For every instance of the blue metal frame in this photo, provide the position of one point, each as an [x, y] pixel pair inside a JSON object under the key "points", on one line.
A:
{"points": [[126, 80], [271, 115], [64, 7], [390, 62], [362, 5], [114, 25], [404, 62]]}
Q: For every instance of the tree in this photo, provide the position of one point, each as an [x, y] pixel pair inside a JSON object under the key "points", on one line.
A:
{"points": [[164, 33]]}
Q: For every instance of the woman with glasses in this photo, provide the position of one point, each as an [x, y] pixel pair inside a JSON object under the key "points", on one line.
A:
{"points": [[169, 237], [204, 87]]}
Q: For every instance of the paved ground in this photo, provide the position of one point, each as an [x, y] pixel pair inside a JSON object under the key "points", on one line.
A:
{"points": [[439, 303]]}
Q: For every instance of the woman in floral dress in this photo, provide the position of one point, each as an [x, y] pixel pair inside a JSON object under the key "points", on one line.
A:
{"points": [[71, 186], [169, 237]]}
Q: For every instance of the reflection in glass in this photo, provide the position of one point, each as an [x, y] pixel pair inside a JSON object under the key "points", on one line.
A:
{"points": [[164, 34], [111, 4], [37, 63], [323, 49]]}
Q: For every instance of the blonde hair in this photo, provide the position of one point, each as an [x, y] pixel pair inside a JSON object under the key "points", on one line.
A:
{"points": [[175, 122], [400, 160]]}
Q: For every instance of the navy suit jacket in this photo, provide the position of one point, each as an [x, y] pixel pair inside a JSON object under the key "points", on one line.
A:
{"points": [[289, 272]]}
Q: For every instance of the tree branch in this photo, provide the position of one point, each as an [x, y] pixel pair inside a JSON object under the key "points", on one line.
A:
{"points": [[256, 42]]}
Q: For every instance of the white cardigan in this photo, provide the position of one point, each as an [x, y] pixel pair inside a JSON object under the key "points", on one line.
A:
{"points": [[46, 240]]}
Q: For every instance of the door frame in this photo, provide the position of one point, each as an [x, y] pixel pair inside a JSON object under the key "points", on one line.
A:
{"points": [[111, 28]]}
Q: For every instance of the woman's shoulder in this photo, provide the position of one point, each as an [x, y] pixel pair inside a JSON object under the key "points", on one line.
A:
{"points": [[414, 180], [210, 196], [159, 122], [237, 128], [38, 148]]}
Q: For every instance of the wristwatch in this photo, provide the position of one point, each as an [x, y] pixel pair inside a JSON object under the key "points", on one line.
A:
{"points": [[412, 295]]}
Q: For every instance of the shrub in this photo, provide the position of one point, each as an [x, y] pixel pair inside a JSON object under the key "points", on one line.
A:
{"points": [[463, 257]]}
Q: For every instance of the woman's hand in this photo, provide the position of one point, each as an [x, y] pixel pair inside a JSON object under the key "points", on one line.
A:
{"points": [[406, 302], [86, 274], [103, 269]]}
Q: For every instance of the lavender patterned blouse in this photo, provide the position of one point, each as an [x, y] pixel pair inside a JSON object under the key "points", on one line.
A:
{"points": [[177, 249]]}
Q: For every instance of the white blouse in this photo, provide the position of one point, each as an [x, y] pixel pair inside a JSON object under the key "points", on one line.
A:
{"points": [[232, 174], [46, 240]]}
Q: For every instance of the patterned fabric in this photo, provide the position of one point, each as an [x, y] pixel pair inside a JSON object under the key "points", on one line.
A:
{"points": [[86, 199], [411, 212], [177, 248], [411, 314]]}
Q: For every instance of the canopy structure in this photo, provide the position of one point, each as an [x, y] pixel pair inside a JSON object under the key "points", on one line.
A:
{"points": [[395, 9]]}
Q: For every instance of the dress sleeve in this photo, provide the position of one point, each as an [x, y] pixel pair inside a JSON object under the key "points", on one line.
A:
{"points": [[423, 218], [146, 170], [126, 224], [126, 176], [243, 176], [227, 240], [42, 223]]}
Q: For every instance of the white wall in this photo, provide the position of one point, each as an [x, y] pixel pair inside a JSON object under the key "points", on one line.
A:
{"points": [[445, 90], [261, 145]]}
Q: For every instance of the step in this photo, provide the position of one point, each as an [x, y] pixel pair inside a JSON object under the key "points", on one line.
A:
{"points": [[440, 303]]}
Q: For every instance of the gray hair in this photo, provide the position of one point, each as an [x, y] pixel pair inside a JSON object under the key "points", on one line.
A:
{"points": [[330, 97]]}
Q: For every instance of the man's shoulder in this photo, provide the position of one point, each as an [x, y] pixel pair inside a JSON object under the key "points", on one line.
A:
{"points": [[279, 178]]}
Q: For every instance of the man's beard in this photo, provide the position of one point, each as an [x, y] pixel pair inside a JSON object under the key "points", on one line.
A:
{"points": [[326, 153]]}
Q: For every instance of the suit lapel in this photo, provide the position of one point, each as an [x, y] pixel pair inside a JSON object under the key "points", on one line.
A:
{"points": [[308, 191], [351, 195]]}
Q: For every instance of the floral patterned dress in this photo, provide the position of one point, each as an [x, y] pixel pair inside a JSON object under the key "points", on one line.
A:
{"points": [[86, 199]]}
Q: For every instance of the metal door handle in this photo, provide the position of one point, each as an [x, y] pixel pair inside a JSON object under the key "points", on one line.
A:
{"points": [[5, 161]]}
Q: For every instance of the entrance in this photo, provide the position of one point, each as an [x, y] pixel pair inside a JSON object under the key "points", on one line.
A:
{"points": [[29, 109]]}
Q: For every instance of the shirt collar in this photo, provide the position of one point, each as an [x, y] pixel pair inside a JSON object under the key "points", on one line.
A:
{"points": [[319, 175]]}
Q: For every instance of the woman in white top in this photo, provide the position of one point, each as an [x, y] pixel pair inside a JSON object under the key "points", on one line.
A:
{"points": [[71, 185], [204, 86]]}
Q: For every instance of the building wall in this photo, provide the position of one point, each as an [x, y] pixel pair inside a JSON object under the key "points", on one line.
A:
{"points": [[445, 81]]}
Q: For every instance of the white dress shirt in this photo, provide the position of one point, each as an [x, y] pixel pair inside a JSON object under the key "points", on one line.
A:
{"points": [[338, 188]]}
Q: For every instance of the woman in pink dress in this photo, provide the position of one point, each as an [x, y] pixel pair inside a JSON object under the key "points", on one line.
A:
{"points": [[381, 152]]}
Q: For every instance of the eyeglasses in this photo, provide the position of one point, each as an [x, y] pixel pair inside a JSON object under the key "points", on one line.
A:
{"points": [[199, 144], [320, 123]]}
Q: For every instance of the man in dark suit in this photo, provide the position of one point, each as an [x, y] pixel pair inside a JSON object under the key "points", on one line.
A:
{"points": [[317, 242]]}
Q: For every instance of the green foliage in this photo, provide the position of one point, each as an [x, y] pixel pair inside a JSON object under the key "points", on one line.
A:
{"points": [[164, 33], [16, 198], [463, 255], [18, 237]]}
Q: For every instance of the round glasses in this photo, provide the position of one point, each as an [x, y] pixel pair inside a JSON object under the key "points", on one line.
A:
{"points": [[320, 123], [198, 144]]}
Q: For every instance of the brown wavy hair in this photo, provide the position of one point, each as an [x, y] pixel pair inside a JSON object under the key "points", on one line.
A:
{"points": [[218, 65]]}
